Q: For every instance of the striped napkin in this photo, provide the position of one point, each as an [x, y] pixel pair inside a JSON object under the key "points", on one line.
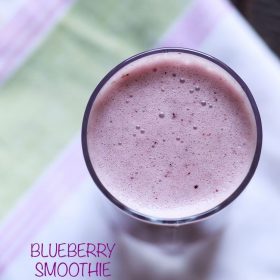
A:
{"points": [[65, 206]]}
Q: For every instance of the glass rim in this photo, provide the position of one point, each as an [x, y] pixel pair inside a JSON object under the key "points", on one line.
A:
{"points": [[195, 217]]}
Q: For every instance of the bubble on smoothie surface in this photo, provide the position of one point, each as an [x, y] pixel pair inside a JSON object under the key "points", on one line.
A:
{"points": [[165, 154]]}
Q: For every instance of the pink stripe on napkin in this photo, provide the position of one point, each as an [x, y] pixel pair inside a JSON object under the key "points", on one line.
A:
{"points": [[194, 26], [25, 30], [16, 22]]}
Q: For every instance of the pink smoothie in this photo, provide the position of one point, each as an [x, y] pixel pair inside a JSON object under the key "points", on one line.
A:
{"points": [[171, 135]]}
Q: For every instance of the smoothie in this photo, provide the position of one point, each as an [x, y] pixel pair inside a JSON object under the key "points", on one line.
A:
{"points": [[171, 135]]}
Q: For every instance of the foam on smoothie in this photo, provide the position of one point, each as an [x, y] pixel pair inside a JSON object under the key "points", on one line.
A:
{"points": [[171, 135]]}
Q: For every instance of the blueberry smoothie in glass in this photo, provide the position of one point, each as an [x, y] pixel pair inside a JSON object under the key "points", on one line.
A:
{"points": [[171, 135]]}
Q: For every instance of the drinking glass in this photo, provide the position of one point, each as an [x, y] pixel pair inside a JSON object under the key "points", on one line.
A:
{"points": [[171, 236]]}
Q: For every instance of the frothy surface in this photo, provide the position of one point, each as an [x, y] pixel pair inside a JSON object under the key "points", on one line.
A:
{"points": [[171, 135]]}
